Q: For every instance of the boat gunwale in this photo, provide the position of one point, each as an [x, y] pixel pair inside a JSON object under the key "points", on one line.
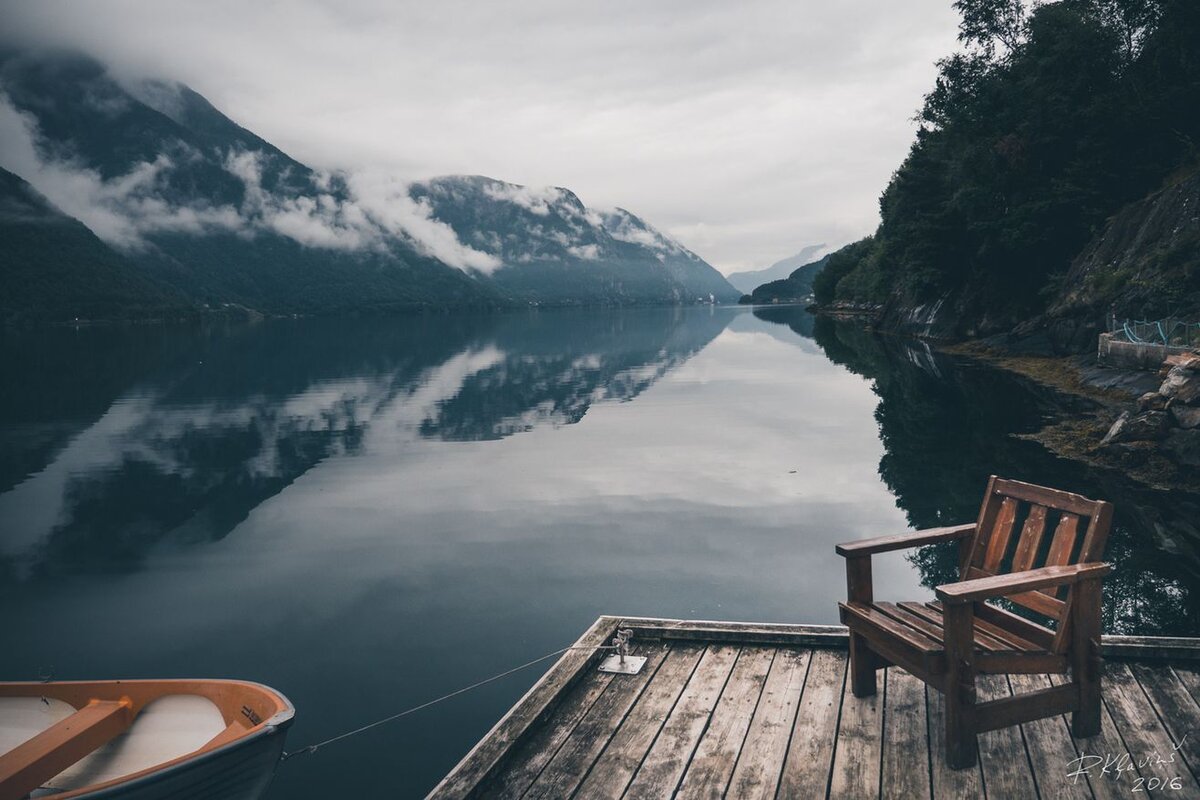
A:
{"points": [[488, 756], [282, 717]]}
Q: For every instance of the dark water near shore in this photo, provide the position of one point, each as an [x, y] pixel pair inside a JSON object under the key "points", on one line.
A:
{"points": [[369, 513]]}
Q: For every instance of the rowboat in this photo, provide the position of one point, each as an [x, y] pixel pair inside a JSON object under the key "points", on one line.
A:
{"points": [[141, 739]]}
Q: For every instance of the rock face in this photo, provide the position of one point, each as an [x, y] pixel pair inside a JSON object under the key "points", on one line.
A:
{"points": [[1148, 426], [1170, 415]]}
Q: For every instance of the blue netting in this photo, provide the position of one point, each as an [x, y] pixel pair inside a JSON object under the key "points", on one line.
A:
{"points": [[1167, 332]]}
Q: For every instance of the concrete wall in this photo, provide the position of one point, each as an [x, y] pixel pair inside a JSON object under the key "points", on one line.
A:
{"points": [[1121, 354]]}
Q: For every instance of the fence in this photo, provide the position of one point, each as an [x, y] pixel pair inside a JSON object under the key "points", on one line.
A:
{"points": [[1168, 332]]}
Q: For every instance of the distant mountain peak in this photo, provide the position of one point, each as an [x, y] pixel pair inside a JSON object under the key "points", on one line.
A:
{"points": [[746, 281]]}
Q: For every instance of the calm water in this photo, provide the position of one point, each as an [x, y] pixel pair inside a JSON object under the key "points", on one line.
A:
{"points": [[369, 513]]}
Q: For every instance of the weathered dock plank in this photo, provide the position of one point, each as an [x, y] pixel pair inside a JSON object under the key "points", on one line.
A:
{"points": [[712, 764], [568, 766], [948, 784], [1143, 733], [758, 768], [810, 754], [859, 747], [1050, 747], [773, 716], [611, 773], [668, 757], [905, 769], [1006, 769]]}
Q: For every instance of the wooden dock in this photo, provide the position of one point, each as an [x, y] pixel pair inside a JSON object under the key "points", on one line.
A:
{"points": [[742, 710]]}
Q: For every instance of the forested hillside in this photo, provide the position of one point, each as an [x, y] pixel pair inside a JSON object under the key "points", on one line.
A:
{"points": [[1051, 120]]}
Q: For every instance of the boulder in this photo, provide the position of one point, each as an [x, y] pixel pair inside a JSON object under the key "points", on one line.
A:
{"points": [[1148, 426], [1186, 416], [1184, 446], [1152, 401], [1182, 384]]}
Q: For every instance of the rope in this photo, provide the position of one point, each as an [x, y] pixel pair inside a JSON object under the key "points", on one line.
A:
{"points": [[312, 748]]}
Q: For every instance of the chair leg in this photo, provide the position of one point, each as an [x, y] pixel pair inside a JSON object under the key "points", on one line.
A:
{"points": [[960, 736], [959, 694], [862, 667], [1086, 663]]}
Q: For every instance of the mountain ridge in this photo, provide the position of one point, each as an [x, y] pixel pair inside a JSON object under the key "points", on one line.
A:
{"points": [[182, 193]]}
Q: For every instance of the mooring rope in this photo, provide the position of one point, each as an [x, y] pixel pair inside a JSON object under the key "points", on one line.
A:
{"points": [[312, 748]]}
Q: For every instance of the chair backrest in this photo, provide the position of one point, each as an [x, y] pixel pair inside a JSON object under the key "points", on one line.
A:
{"points": [[1080, 530]]}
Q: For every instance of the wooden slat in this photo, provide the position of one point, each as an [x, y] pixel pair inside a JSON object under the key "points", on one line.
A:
{"points": [[1020, 663], [1005, 711], [859, 747], [664, 764], [810, 752], [711, 766], [35, 761], [1095, 753], [1054, 498], [1050, 747], [564, 771], [929, 622], [883, 623], [1140, 728], [980, 586], [481, 763], [749, 633], [536, 751], [1006, 771], [1040, 635], [1176, 708], [903, 541], [1031, 539], [1007, 639], [905, 744], [997, 543], [760, 763], [1189, 676], [1063, 543], [610, 773], [950, 784]]}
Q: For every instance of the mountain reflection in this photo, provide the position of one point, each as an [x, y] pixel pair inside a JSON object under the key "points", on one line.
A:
{"points": [[947, 423], [114, 442]]}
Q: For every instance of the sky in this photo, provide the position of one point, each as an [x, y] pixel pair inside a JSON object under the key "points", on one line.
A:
{"points": [[744, 130]]}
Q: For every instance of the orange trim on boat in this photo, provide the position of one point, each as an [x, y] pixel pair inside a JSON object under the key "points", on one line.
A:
{"points": [[108, 708]]}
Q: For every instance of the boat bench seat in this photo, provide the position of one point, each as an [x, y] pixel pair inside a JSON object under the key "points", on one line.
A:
{"points": [[166, 728]]}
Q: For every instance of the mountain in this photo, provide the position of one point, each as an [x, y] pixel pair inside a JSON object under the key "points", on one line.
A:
{"points": [[746, 282], [1048, 183], [557, 251], [217, 215], [55, 268], [795, 288]]}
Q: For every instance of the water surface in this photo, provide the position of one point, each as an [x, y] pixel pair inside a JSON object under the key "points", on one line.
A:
{"points": [[366, 513]]}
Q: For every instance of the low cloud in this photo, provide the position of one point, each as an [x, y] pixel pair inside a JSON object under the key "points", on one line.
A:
{"points": [[368, 214], [120, 210]]}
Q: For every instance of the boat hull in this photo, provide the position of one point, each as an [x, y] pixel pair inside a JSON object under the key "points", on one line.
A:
{"points": [[241, 770]]}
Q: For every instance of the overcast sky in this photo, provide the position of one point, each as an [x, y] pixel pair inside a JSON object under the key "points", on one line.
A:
{"points": [[745, 130]]}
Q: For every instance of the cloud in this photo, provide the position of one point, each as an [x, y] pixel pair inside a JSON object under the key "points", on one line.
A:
{"points": [[386, 201], [536, 200], [120, 210], [124, 210], [744, 130]]}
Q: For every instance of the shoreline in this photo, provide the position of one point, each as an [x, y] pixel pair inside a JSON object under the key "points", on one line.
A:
{"points": [[1075, 435]]}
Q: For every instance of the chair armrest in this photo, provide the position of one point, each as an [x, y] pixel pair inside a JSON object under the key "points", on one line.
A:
{"points": [[883, 544], [1018, 582]]}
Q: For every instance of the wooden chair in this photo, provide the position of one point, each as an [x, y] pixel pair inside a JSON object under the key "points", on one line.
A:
{"points": [[947, 643]]}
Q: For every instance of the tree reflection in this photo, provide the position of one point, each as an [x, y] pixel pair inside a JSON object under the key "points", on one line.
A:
{"points": [[947, 423]]}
